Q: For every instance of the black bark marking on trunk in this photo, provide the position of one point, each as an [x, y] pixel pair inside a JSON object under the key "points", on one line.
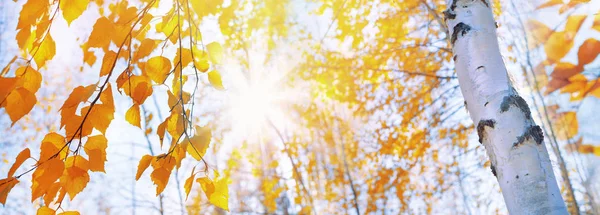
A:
{"points": [[481, 127], [517, 177], [493, 170], [517, 101], [454, 58], [533, 132], [448, 14], [460, 28], [485, 3], [486, 103], [453, 5], [480, 67]]}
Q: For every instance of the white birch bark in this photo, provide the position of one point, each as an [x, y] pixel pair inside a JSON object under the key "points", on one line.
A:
{"points": [[514, 143]]}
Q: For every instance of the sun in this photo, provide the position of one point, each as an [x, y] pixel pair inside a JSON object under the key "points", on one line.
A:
{"points": [[258, 97]]}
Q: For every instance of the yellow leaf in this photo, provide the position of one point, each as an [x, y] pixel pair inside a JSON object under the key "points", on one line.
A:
{"points": [[596, 24], [567, 122], [45, 51], [220, 197], [133, 115], [574, 23], [550, 4], [143, 165], [157, 68], [18, 103], [189, 183], [44, 210], [23, 155], [215, 52], [205, 8], [75, 177], [199, 142], [108, 63], [69, 213], [95, 148], [558, 45], [215, 79], [72, 9], [5, 186], [597, 150], [203, 65]]}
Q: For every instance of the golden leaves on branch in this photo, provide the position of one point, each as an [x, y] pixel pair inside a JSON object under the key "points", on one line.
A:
{"points": [[17, 94]]}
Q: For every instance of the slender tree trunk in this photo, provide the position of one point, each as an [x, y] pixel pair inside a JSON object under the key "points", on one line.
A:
{"points": [[514, 143]]}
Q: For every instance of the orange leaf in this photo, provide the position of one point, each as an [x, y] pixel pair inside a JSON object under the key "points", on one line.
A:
{"points": [[29, 78], [95, 148], [107, 63], [75, 177], [45, 51], [23, 155], [5, 186], [72, 9], [588, 51], [146, 47], [44, 210], [51, 145], [19, 103], [157, 68], [8, 85], [186, 56], [44, 176], [101, 33], [143, 165], [163, 166], [138, 88], [133, 115], [31, 12], [69, 107]]}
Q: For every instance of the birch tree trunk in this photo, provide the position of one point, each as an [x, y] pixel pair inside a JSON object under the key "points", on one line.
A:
{"points": [[514, 143]]}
